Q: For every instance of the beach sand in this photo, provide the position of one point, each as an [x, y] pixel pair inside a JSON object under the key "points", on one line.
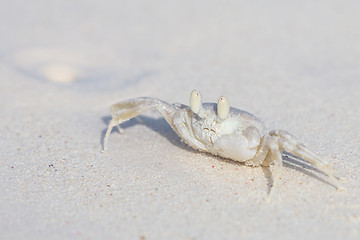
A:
{"points": [[63, 63]]}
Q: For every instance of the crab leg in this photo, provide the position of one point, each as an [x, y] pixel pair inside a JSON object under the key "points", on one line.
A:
{"points": [[129, 109], [291, 145], [276, 156]]}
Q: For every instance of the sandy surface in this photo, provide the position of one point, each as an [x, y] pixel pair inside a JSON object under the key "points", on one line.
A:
{"points": [[63, 63]]}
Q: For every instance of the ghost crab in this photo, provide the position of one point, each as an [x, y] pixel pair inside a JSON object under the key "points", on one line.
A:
{"points": [[221, 130]]}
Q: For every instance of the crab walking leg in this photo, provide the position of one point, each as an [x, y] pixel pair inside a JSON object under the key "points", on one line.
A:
{"points": [[108, 131], [276, 156], [291, 145], [304, 153], [129, 109]]}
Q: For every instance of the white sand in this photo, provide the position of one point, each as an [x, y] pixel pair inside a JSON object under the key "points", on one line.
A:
{"points": [[63, 63]]}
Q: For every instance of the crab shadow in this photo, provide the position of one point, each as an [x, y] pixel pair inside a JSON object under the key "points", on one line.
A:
{"points": [[289, 161], [160, 126]]}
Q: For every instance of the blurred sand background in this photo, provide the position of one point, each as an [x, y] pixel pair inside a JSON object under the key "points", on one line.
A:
{"points": [[295, 65]]}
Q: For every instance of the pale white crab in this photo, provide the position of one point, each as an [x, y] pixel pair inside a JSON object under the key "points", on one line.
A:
{"points": [[221, 130]]}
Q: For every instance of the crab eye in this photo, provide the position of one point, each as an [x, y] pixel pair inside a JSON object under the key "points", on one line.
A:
{"points": [[223, 107], [195, 101]]}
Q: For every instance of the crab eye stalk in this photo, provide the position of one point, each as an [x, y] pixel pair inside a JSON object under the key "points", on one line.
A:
{"points": [[223, 108], [195, 101]]}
